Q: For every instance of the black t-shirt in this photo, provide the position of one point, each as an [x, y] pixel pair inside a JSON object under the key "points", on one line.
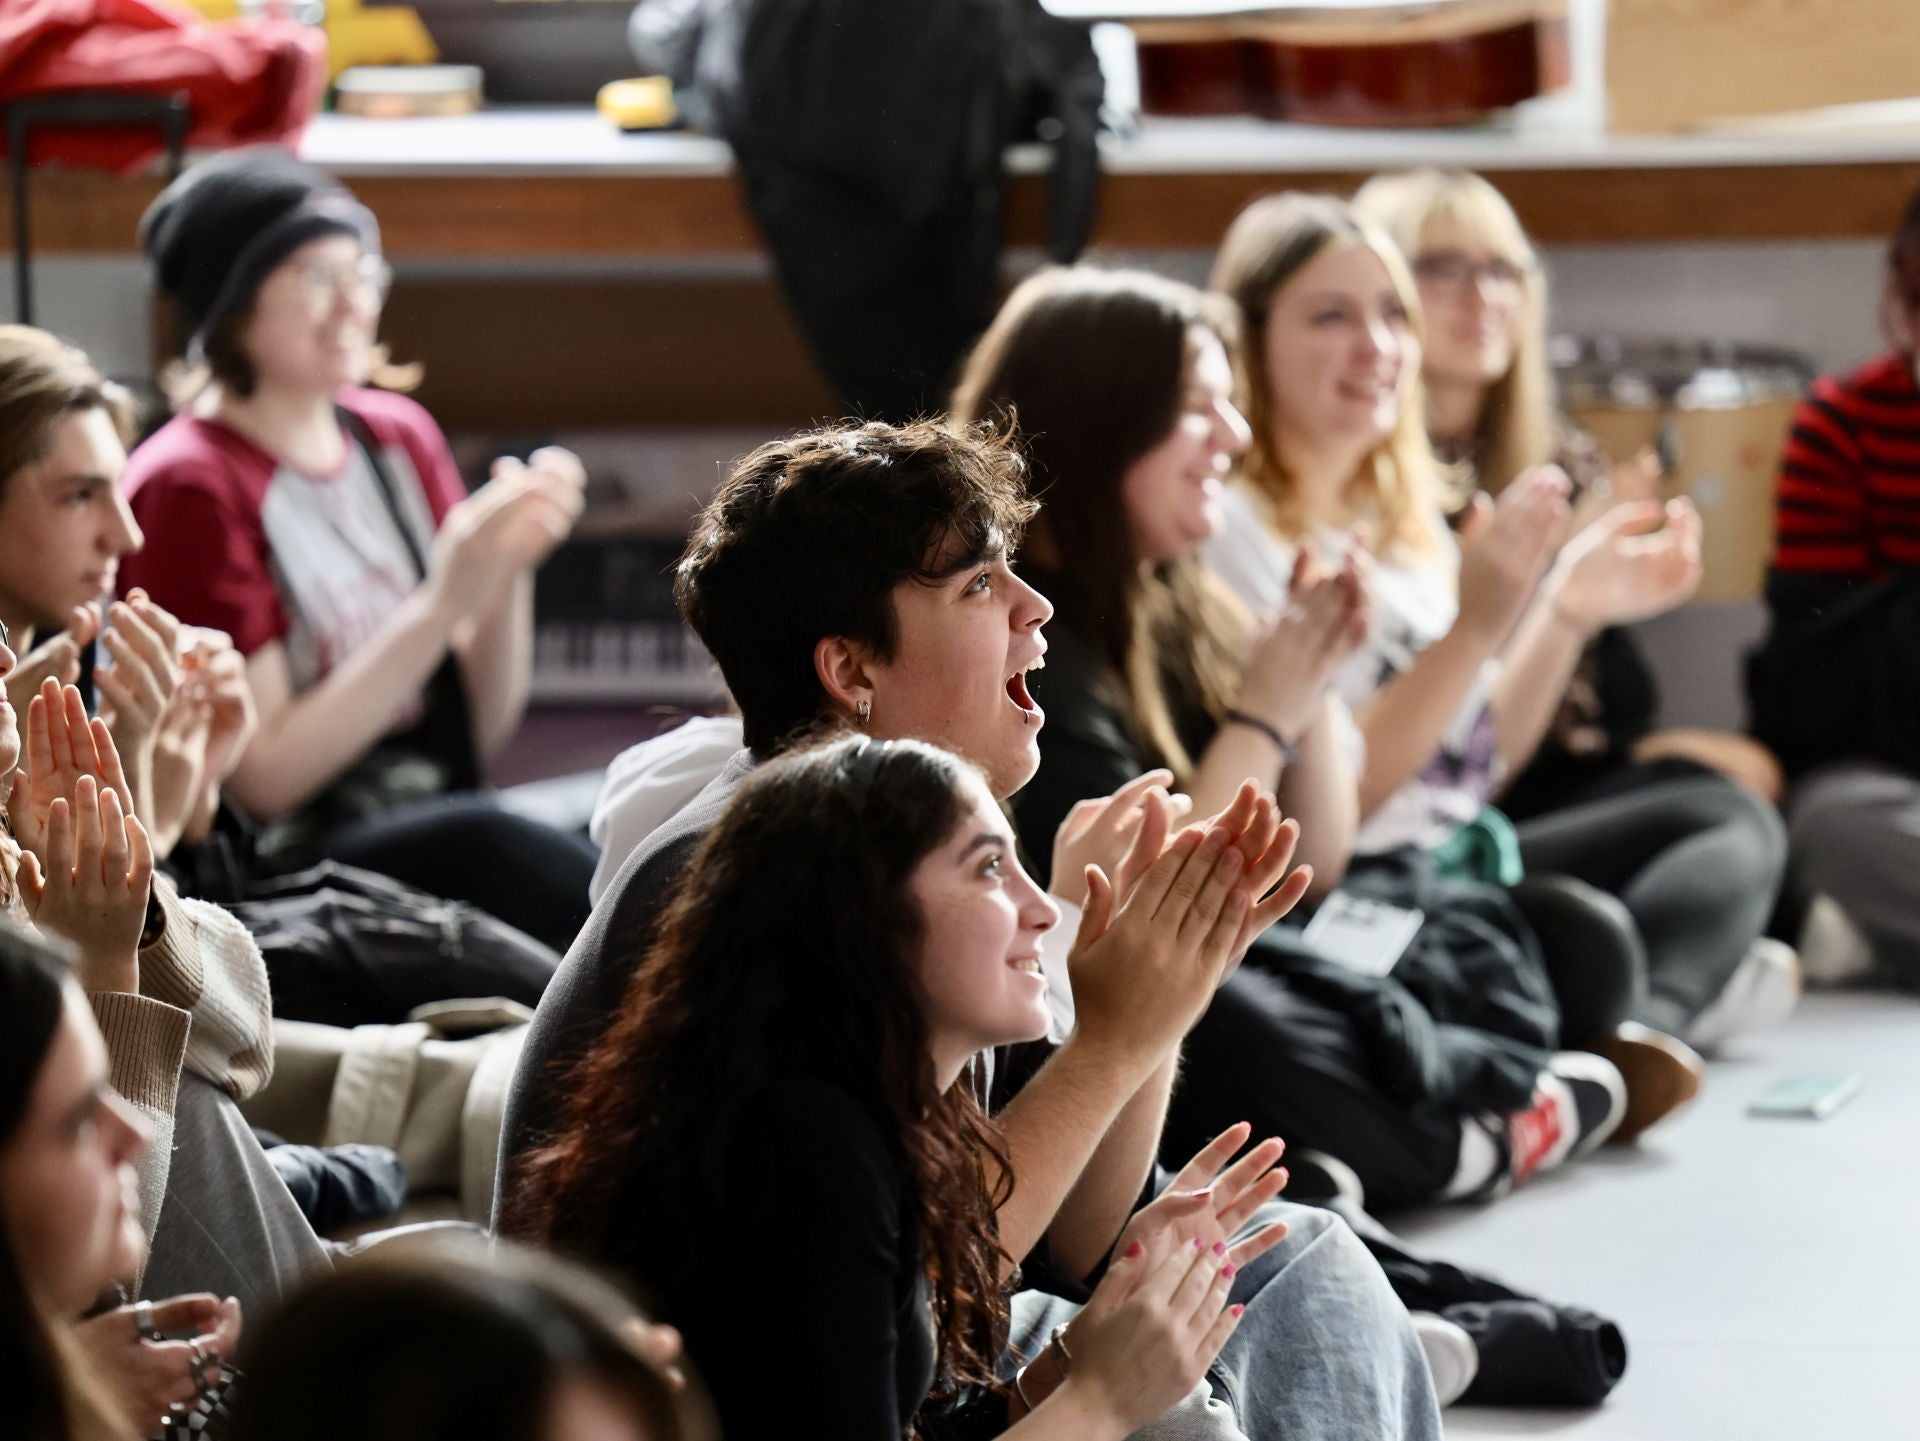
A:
{"points": [[799, 1286]]}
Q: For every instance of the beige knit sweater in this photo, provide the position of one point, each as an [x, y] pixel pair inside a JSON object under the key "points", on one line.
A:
{"points": [[204, 1006]]}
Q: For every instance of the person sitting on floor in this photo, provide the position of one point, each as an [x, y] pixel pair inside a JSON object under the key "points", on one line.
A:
{"points": [[1472, 640], [1153, 663], [1681, 825], [795, 1056], [386, 616], [1834, 687], [862, 573]]}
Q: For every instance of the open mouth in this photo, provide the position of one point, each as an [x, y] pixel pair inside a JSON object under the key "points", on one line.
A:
{"points": [[1017, 691], [1028, 965]]}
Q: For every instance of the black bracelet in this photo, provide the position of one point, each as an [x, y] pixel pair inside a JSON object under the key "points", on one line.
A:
{"points": [[1289, 752]]}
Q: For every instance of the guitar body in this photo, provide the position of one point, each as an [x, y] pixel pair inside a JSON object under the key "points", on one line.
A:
{"points": [[1448, 62]]}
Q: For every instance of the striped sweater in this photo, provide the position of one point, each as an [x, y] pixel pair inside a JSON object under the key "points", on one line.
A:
{"points": [[1838, 675], [1848, 501]]}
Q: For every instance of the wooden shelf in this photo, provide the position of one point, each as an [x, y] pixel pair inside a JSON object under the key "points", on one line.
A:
{"points": [[561, 183]]}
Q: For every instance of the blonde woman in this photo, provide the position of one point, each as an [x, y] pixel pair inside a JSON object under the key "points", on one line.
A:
{"points": [[1491, 408], [1705, 863], [1473, 640]]}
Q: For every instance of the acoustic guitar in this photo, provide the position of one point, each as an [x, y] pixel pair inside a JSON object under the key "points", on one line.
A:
{"points": [[1359, 63]]}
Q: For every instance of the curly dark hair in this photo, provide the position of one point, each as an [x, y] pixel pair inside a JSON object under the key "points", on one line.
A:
{"points": [[808, 537], [788, 951]]}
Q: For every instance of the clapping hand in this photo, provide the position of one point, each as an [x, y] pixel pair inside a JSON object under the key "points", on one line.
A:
{"points": [[1639, 560], [151, 1377]]}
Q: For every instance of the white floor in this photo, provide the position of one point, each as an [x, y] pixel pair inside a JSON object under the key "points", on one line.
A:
{"points": [[1766, 1272]]}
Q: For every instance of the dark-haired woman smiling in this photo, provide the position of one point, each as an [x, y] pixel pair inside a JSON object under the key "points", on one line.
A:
{"points": [[779, 1136]]}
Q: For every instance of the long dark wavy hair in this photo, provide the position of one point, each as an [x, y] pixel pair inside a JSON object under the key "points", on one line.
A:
{"points": [[1091, 367], [789, 949], [49, 1394]]}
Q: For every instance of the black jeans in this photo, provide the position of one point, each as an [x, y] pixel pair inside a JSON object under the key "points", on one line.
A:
{"points": [[464, 847], [1695, 859]]}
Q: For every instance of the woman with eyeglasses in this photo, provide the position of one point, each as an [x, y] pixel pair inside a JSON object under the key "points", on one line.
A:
{"points": [[386, 615], [1694, 846]]}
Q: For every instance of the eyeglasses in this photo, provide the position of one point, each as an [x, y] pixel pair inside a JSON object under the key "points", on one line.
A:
{"points": [[368, 279], [1455, 268], [6, 637]]}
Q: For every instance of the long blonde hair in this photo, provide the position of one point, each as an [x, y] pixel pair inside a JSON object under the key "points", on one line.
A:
{"points": [[1519, 422], [1268, 244]]}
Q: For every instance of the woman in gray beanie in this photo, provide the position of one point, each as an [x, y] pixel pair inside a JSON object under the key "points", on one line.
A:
{"points": [[385, 614]]}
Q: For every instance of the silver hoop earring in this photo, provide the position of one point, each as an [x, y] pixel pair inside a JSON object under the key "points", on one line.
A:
{"points": [[862, 712]]}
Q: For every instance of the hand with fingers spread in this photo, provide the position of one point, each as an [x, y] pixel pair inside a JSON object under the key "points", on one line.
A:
{"points": [[149, 1377], [91, 885], [1639, 560], [57, 658], [1144, 970], [1153, 1326], [1266, 844], [63, 746], [1505, 549], [1212, 1199], [1121, 834], [219, 671]]}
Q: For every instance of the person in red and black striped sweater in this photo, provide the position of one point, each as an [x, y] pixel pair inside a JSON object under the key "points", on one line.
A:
{"points": [[1835, 686]]}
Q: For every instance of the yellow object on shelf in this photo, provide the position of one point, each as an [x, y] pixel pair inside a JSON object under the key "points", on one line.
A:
{"points": [[389, 35], [642, 104]]}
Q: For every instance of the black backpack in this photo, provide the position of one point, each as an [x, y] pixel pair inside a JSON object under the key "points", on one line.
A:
{"points": [[870, 137]]}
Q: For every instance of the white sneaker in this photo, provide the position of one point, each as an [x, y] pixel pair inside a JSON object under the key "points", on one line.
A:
{"points": [[1451, 1356], [1833, 952], [1759, 995]]}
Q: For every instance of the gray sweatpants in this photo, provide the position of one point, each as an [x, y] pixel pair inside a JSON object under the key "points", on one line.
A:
{"points": [[228, 1224], [1853, 834], [1325, 1352]]}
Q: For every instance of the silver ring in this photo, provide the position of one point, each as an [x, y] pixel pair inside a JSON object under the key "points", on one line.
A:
{"points": [[143, 1321], [198, 1364]]}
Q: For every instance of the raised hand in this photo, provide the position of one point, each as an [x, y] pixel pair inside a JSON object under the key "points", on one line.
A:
{"points": [[63, 746], [179, 765], [1122, 834], [1505, 549], [1210, 1200], [90, 885], [1295, 656], [1143, 971], [1639, 560], [504, 529], [56, 658], [149, 1377]]}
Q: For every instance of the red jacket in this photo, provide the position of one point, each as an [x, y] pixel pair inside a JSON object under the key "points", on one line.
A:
{"points": [[248, 81]]}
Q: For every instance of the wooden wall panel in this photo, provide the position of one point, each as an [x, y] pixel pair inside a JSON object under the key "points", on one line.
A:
{"points": [[1675, 63]]}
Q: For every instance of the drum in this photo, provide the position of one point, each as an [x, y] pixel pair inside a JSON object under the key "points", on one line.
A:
{"points": [[1717, 413]]}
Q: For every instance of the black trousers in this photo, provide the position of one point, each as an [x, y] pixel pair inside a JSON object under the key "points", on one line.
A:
{"points": [[465, 847], [1695, 860], [1295, 1068]]}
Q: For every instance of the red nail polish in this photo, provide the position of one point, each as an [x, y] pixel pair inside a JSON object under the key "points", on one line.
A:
{"points": [[1199, 1244], [1236, 1311], [1219, 1248], [1228, 1269], [1134, 1250]]}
